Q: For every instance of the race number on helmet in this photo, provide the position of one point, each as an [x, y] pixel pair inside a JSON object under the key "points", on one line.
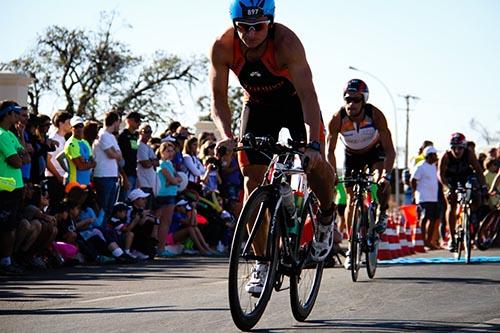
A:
{"points": [[241, 9]]}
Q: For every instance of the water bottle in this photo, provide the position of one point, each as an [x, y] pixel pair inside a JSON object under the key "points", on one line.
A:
{"points": [[288, 202]]}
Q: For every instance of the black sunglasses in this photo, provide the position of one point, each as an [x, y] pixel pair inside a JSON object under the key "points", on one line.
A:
{"points": [[356, 99]]}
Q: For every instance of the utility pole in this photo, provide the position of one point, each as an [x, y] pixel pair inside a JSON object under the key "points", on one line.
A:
{"points": [[407, 98]]}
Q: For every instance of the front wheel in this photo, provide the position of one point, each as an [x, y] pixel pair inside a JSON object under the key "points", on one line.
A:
{"points": [[306, 279], [355, 241], [467, 237], [253, 242], [372, 248]]}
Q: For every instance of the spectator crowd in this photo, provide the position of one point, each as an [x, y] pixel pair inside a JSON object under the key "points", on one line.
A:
{"points": [[81, 191]]}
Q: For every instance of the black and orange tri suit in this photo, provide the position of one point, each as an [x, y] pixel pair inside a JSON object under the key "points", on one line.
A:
{"points": [[270, 99]]}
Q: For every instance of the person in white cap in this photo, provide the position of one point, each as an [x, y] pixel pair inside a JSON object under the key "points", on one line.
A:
{"points": [[79, 154], [143, 224], [424, 183]]}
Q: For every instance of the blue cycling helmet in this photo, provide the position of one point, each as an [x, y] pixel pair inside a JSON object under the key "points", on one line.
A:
{"points": [[239, 9]]}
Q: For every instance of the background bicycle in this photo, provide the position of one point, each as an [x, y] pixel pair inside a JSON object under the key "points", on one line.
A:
{"points": [[363, 238]]}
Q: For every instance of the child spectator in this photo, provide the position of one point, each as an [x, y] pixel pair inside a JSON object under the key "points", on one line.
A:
{"points": [[211, 178], [184, 225], [143, 224]]}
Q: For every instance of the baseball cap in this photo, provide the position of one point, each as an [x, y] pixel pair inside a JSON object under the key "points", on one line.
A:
{"points": [[183, 202], [119, 206], [72, 185], [137, 194], [12, 107], [75, 121], [429, 150]]}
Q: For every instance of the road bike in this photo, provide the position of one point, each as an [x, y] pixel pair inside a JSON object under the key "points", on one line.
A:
{"points": [[275, 228], [363, 238], [465, 229]]}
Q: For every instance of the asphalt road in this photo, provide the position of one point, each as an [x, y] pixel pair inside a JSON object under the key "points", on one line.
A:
{"points": [[188, 294]]}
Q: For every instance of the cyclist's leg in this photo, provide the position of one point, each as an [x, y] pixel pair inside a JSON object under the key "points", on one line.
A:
{"points": [[451, 219]]}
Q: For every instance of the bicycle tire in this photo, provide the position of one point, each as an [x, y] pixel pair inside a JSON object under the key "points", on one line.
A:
{"points": [[372, 248], [460, 242], [305, 283], [467, 237], [355, 241], [247, 309], [488, 231]]}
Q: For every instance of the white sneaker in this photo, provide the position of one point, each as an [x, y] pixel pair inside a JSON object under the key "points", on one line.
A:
{"points": [[256, 283], [130, 254], [139, 255], [322, 242]]}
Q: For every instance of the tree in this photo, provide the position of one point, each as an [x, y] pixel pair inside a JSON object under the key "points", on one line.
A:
{"points": [[94, 72], [489, 137]]}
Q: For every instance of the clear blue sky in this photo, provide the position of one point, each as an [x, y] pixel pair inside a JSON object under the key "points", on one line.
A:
{"points": [[445, 52]]}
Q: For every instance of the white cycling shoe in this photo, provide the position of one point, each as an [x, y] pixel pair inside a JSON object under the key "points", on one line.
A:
{"points": [[256, 283], [322, 242]]}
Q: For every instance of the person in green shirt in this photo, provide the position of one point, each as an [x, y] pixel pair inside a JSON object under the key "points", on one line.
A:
{"points": [[11, 160]]}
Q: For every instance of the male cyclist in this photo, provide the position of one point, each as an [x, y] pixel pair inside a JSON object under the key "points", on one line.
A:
{"points": [[455, 167], [270, 63], [367, 139]]}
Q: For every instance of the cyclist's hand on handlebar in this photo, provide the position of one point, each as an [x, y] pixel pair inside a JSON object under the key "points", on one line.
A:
{"points": [[311, 159], [224, 146]]}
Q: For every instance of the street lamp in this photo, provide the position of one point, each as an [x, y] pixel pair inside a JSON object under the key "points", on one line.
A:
{"points": [[396, 180]]}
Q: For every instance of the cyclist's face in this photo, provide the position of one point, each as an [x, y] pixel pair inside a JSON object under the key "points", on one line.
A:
{"points": [[253, 32], [457, 151], [353, 104]]}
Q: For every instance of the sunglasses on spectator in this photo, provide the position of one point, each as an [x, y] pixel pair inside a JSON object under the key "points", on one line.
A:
{"points": [[356, 99], [245, 27], [457, 147]]}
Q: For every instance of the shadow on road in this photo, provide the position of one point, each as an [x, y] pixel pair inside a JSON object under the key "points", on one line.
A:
{"points": [[429, 280], [27, 288], [377, 325]]}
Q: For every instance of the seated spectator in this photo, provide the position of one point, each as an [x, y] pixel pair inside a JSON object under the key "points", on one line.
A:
{"points": [[144, 225], [118, 233], [184, 225]]}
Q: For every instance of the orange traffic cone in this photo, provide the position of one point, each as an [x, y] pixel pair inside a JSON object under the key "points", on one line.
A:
{"points": [[393, 239], [402, 241], [409, 241]]}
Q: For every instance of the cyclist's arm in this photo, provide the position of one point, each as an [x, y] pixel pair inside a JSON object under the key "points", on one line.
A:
{"points": [[385, 140], [220, 58], [291, 54], [331, 140]]}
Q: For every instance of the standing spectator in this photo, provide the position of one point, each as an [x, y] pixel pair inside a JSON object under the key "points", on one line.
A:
{"points": [[22, 129], [128, 142], [91, 131], [147, 162], [166, 195], [11, 160], [55, 173], [107, 154], [424, 183], [211, 179], [78, 154], [41, 146], [193, 165]]}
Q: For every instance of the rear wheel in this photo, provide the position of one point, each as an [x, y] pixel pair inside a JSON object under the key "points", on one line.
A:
{"points": [[253, 227], [306, 280], [355, 241], [372, 248], [488, 231]]}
